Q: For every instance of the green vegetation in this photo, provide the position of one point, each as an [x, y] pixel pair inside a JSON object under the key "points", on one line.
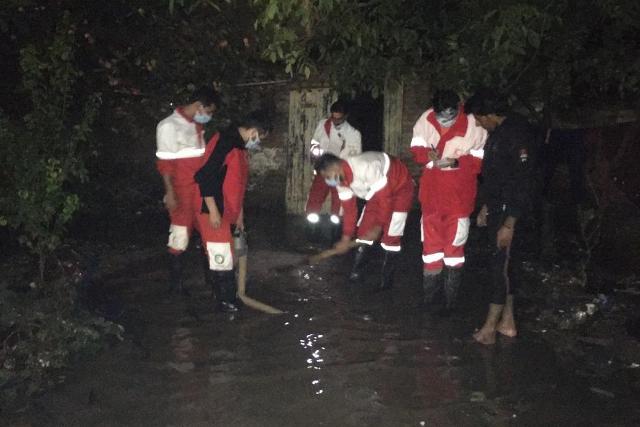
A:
{"points": [[43, 154], [563, 54]]}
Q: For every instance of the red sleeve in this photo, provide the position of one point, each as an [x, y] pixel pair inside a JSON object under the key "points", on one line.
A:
{"points": [[349, 216], [235, 184], [165, 167], [470, 163], [421, 155]]}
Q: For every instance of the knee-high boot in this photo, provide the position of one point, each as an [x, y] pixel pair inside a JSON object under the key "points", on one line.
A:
{"points": [[430, 287], [359, 262], [389, 269], [451, 286], [225, 290], [176, 269]]}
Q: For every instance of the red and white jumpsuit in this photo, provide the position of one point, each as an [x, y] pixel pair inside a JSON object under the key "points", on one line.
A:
{"points": [[343, 141], [386, 184], [226, 173], [447, 195], [180, 151]]}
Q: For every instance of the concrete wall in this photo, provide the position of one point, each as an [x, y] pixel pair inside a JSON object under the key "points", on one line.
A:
{"points": [[267, 167]]}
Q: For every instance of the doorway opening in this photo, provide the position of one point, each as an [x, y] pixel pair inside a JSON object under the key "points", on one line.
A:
{"points": [[366, 114]]}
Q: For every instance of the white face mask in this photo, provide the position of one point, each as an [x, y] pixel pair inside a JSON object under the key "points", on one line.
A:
{"points": [[253, 143], [201, 118], [332, 182], [447, 118]]}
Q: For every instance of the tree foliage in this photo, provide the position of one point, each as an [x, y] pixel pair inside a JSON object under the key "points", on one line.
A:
{"points": [[563, 53]]}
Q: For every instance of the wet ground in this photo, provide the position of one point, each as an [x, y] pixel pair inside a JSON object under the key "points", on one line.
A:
{"points": [[342, 355]]}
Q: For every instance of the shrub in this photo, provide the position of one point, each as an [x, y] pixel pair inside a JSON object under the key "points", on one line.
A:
{"points": [[43, 154]]}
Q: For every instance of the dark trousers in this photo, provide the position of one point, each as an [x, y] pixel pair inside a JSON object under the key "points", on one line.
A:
{"points": [[502, 283]]}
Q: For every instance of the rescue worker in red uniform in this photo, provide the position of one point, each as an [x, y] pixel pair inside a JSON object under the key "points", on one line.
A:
{"points": [[180, 151], [334, 136], [386, 185], [222, 182], [449, 146]]}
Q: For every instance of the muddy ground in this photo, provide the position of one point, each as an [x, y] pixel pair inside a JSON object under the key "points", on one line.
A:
{"points": [[343, 354]]}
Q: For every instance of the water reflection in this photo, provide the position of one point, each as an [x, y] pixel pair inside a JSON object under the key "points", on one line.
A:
{"points": [[310, 343]]}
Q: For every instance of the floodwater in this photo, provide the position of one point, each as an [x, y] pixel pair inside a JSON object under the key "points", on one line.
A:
{"points": [[341, 355]]}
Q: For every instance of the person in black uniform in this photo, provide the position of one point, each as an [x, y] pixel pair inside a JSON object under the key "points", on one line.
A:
{"points": [[505, 196]]}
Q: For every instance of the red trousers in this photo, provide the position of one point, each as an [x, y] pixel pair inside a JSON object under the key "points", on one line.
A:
{"points": [[443, 239], [390, 214], [217, 243], [318, 194]]}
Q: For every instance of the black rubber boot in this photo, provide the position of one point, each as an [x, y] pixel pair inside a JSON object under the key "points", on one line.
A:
{"points": [[312, 230], [176, 268], [209, 276], [389, 269], [225, 289], [452, 283], [430, 287], [359, 262], [335, 228]]}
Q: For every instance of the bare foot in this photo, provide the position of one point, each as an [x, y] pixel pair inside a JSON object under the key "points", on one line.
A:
{"points": [[508, 330], [485, 336]]}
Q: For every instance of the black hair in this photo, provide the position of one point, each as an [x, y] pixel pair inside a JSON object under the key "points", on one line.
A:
{"points": [[339, 107], [325, 161], [256, 119], [207, 96], [484, 102], [443, 99]]}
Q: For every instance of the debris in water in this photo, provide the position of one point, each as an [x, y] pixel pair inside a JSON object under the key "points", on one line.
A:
{"points": [[580, 316], [602, 392], [183, 367], [477, 396]]}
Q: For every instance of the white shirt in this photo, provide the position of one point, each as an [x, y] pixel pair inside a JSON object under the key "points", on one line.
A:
{"points": [[178, 138], [343, 140], [426, 135], [369, 175]]}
